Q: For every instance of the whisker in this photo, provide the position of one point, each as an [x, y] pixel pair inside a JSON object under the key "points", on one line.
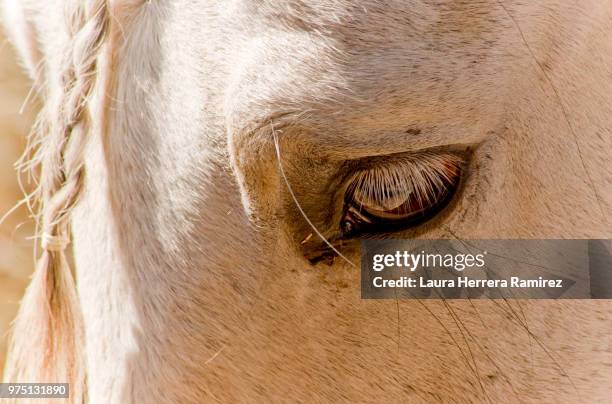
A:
{"points": [[452, 337], [459, 323], [484, 351], [515, 318], [399, 333]]}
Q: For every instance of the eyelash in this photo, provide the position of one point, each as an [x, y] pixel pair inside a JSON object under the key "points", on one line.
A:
{"points": [[424, 179], [414, 172]]}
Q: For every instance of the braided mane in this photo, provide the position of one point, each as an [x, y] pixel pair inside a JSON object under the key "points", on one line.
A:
{"points": [[46, 343]]}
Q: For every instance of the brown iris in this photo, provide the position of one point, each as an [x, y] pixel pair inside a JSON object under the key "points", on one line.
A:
{"points": [[399, 194]]}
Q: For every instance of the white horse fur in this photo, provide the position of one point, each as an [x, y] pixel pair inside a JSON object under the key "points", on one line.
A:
{"points": [[191, 278]]}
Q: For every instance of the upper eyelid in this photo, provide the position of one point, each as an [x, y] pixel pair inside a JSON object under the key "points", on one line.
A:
{"points": [[459, 149], [304, 127]]}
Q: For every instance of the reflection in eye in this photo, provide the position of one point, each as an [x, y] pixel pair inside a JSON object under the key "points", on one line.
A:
{"points": [[399, 193]]}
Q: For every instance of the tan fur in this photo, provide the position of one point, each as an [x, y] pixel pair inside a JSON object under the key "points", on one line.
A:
{"points": [[191, 278]]}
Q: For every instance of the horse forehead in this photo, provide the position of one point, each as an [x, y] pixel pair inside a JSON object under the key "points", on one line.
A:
{"points": [[250, 59], [334, 15]]}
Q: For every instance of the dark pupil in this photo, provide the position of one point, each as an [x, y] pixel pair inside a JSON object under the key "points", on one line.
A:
{"points": [[360, 218]]}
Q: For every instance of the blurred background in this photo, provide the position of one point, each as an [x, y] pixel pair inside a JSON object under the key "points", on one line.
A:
{"points": [[16, 249]]}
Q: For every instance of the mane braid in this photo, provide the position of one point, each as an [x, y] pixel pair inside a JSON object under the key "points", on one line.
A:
{"points": [[46, 342]]}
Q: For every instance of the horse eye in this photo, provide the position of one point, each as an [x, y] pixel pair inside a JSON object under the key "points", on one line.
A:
{"points": [[399, 194]]}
